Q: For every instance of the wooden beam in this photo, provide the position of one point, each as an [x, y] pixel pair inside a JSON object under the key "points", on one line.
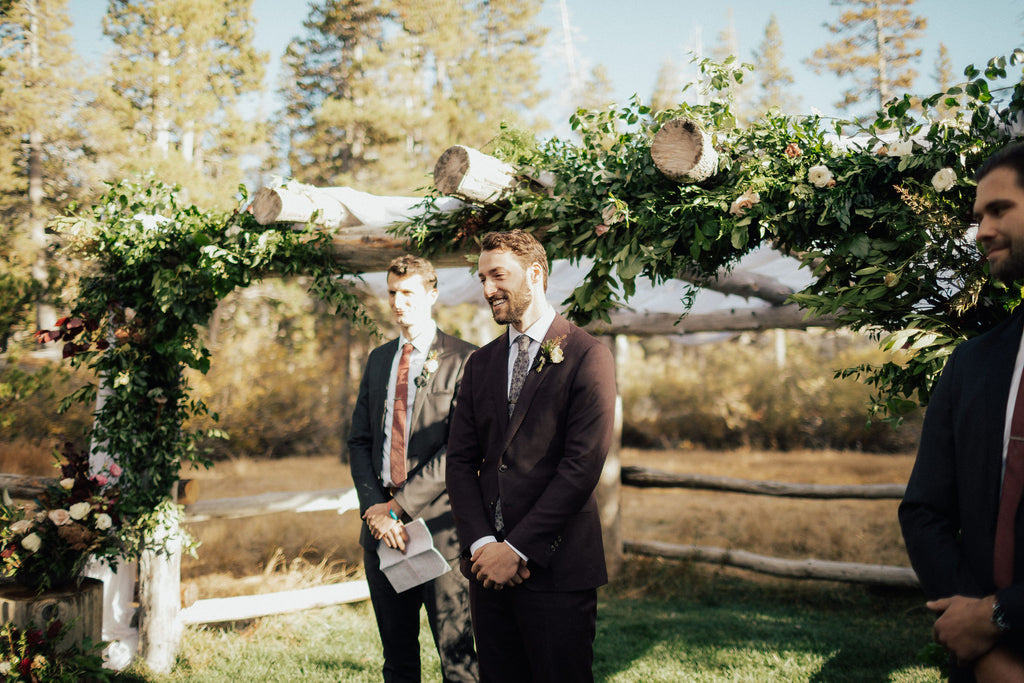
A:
{"points": [[340, 500], [820, 570], [789, 317], [643, 477], [242, 607]]}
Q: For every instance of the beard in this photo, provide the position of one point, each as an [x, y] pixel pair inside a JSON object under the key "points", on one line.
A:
{"points": [[516, 303], [1011, 268]]}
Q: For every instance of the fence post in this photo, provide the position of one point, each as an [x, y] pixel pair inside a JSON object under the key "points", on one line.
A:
{"points": [[609, 488]]}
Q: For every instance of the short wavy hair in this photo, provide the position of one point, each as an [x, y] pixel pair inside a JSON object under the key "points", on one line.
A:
{"points": [[406, 265], [524, 246], [1010, 156]]}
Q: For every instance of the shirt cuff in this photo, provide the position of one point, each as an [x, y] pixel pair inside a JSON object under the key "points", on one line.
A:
{"points": [[481, 542], [522, 557]]}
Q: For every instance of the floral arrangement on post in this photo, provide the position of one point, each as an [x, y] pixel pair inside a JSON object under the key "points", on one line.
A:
{"points": [[46, 544], [39, 654]]}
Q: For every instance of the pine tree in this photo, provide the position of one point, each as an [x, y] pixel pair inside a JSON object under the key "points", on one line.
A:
{"points": [[728, 48], [180, 71], [873, 50], [377, 90], [668, 86], [38, 139], [774, 79]]}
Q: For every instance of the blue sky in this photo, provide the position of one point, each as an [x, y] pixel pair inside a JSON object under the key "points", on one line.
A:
{"points": [[632, 40]]}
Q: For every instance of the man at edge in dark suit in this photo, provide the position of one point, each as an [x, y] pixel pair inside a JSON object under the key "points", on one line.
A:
{"points": [[525, 454], [398, 468], [949, 513]]}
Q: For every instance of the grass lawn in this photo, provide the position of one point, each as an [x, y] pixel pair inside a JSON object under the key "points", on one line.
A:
{"points": [[666, 621]]}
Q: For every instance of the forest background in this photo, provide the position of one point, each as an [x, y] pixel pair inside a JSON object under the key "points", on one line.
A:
{"points": [[368, 94]]}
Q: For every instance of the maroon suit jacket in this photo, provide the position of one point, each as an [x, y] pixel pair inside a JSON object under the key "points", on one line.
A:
{"points": [[544, 462]]}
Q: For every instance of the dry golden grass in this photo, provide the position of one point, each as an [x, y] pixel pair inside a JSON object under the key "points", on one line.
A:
{"points": [[287, 550], [842, 530]]}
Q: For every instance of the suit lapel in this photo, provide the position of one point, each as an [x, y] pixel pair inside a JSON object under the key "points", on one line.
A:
{"points": [[439, 347], [1001, 362], [534, 380]]}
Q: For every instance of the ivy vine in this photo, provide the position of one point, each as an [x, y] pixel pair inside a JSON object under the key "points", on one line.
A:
{"points": [[879, 212], [153, 270]]}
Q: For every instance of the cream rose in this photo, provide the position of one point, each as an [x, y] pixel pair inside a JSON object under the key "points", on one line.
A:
{"points": [[22, 526], [67, 483], [820, 176], [103, 521], [901, 148], [60, 517], [556, 355], [944, 179], [744, 202], [80, 510], [32, 543], [5, 668]]}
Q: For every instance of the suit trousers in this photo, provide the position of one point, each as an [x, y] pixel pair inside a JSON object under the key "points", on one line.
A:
{"points": [[526, 636], [398, 621]]}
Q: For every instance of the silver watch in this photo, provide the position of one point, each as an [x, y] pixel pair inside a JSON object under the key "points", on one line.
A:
{"points": [[999, 617]]}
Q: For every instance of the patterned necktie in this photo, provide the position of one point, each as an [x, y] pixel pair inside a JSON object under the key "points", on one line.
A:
{"points": [[519, 370], [398, 467], [1009, 500]]}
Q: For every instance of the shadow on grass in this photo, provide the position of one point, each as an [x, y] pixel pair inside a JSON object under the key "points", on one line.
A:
{"points": [[668, 621]]}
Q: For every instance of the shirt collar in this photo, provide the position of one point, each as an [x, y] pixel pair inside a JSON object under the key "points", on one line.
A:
{"points": [[423, 341], [536, 331]]}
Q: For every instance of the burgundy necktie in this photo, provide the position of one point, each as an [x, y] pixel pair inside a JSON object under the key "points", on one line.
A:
{"points": [[398, 468], [1009, 499]]}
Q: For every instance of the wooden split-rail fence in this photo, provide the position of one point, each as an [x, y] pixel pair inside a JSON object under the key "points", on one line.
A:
{"points": [[344, 499]]}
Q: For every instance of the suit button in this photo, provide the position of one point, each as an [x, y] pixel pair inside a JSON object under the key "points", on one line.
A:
{"points": [[503, 468]]}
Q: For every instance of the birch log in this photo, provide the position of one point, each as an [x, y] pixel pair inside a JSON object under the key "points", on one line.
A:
{"points": [[683, 152], [297, 205], [468, 174]]}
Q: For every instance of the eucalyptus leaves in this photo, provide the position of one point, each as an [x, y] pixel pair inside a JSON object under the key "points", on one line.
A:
{"points": [[877, 211]]}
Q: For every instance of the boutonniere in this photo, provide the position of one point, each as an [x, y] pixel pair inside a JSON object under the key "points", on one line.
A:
{"points": [[550, 352], [430, 366]]}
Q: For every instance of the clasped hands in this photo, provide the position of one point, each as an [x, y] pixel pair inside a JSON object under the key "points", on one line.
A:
{"points": [[964, 627], [496, 565], [385, 527]]}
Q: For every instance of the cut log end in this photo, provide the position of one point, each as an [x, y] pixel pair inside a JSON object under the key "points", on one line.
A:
{"points": [[683, 152], [266, 205], [450, 169]]}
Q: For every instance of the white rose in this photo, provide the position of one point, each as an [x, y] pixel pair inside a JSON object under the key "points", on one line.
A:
{"points": [[944, 179], [5, 668], [80, 510], [60, 517], [31, 543], [556, 355], [103, 521], [21, 526], [431, 365], [819, 176], [67, 483], [901, 148]]}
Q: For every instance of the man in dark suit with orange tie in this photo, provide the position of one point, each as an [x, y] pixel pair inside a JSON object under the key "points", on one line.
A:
{"points": [[397, 447], [961, 516], [528, 443]]}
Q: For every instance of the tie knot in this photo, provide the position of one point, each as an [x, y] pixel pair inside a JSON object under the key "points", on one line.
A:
{"points": [[524, 343], [407, 348]]}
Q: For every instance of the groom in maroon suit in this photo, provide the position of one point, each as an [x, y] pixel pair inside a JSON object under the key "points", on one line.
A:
{"points": [[528, 440]]}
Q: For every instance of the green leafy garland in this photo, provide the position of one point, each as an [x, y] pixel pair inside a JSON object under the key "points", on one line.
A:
{"points": [[882, 225], [154, 271]]}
